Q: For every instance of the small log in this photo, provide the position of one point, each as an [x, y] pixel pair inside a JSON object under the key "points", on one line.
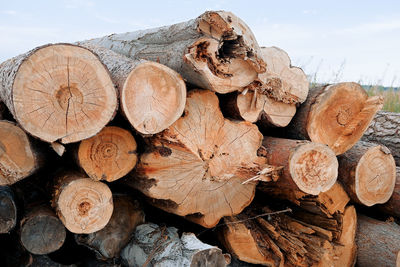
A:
{"points": [[161, 246], [327, 117], [196, 168], [152, 95], [8, 210], [216, 51], [392, 206], [109, 155], [308, 166], [384, 129], [368, 173], [109, 241], [20, 156], [45, 261], [83, 205], [378, 243], [41, 231], [58, 92]]}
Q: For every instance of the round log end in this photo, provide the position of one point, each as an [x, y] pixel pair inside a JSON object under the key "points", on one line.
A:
{"points": [[153, 97], [63, 92], [109, 155], [8, 210]]}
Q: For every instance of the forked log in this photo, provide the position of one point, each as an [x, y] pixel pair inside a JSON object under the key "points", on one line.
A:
{"points": [[378, 243], [197, 166], [41, 231], [109, 155], [19, 156], [216, 51], [161, 246], [328, 117], [307, 166], [109, 241], [152, 96], [58, 92], [83, 205], [368, 173], [8, 210], [392, 206]]}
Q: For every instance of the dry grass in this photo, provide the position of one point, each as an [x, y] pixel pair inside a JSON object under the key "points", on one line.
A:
{"points": [[391, 96]]}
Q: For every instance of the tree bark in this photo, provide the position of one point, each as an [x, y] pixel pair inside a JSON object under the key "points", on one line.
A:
{"points": [[109, 155], [41, 231], [160, 246], [216, 51], [385, 129], [328, 117], [8, 210], [152, 95], [196, 168], [378, 243], [58, 92], [368, 173], [83, 205], [108, 242], [392, 206], [307, 166]]}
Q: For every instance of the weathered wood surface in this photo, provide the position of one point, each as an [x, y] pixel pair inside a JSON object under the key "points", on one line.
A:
{"points": [[8, 209]]}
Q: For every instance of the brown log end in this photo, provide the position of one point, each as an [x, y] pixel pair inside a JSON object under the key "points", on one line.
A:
{"points": [[109, 155]]}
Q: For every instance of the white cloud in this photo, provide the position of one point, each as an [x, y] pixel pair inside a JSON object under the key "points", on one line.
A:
{"points": [[72, 4], [9, 12]]}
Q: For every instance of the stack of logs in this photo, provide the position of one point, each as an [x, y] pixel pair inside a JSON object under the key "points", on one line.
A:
{"points": [[193, 121]]}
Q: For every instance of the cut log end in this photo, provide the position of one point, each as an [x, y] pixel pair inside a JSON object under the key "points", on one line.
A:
{"points": [[63, 92], [153, 97], [109, 155], [8, 210]]}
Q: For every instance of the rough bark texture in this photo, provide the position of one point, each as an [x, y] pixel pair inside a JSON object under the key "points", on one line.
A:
{"points": [[368, 173], [8, 209], [41, 231], [196, 168], [385, 129], [108, 242], [161, 246], [392, 207], [329, 118], [58, 92], [378, 243], [216, 51]]}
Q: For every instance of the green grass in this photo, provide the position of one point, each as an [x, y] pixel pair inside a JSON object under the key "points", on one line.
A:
{"points": [[391, 96]]}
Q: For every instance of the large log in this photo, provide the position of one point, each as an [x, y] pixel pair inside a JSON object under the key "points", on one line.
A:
{"points": [[8, 209], [368, 173], [152, 96], [378, 243], [197, 166], [161, 246], [385, 129], [109, 155], [328, 117], [109, 241], [58, 92], [392, 206], [83, 205], [216, 51]]}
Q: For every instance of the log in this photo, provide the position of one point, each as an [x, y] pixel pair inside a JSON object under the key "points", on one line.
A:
{"points": [[109, 155], [329, 118], [20, 156], [197, 166], [109, 241], [216, 51], [58, 92], [41, 231], [368, 173], [378, 243], [384, 129], [83, 205], [392, 206], [308, 166], [8, 210], [161, 246], [152, 96]]}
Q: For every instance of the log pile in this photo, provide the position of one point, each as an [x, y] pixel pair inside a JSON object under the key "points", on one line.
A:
{"points": [[191, 145]]}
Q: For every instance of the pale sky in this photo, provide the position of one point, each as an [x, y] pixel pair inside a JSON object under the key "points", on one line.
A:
{"points": [[339, 40]]}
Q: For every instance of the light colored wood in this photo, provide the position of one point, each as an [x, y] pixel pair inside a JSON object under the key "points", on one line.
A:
{"points": [[328, 117], [197, 166], [368, 173], [109, 155], [58, 92], [83, 205], [8, 210], [216, 51], [392, 206], [19, 156], [58, 148]]}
